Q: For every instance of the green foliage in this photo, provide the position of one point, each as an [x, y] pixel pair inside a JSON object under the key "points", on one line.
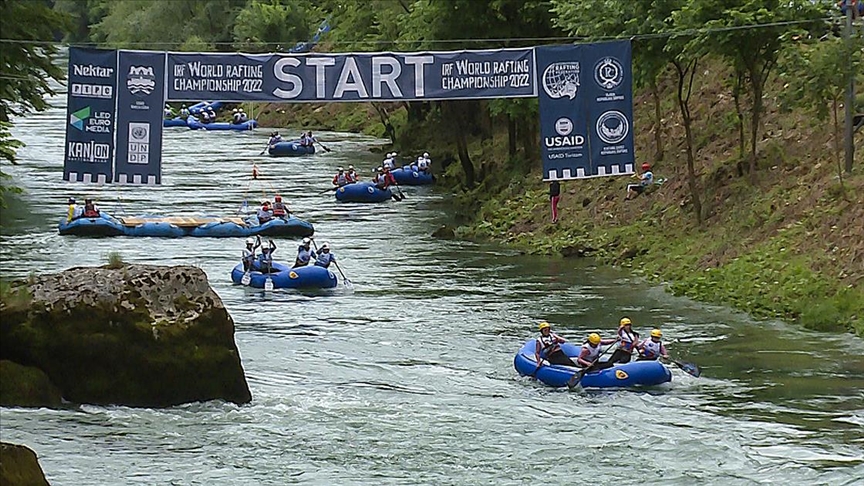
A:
{"points": [[115, 260], [268, 25]]}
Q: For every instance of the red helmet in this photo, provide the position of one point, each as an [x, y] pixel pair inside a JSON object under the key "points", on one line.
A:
{"points": [[646, 166], [278, 198]]}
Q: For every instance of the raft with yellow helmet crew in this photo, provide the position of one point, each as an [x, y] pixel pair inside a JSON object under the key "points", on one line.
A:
{"points": [[556, 362]]}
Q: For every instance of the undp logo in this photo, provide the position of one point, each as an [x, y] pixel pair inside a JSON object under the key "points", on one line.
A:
{"points": [[612, 127], [141, 79], [608, 73], [563, 126], [561, 79]]}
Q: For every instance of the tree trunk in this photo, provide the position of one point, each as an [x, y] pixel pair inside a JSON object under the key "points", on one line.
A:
{"points": [[389, 130], [658, 124], [837, 140], [685, 72], [457, 115], [754, 125], [511, 135], [739, 114]]}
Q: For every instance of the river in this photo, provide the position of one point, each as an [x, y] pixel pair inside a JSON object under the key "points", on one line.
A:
{"points": [[409, 379]]}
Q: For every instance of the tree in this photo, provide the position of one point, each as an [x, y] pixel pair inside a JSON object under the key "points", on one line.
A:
{"points": [[262, 26], [750, 34], [28, 66]]}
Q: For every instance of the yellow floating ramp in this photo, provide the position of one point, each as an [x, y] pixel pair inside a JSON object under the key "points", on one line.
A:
{"points": [[179, 221]]}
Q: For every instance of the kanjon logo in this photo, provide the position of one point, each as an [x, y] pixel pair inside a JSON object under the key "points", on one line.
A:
{"points": [[141, 79], [78, 118]]}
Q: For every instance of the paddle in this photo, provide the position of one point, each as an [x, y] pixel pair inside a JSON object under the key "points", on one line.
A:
{"points": [[247, 277], [268, 282], [576, 380], [322, 145], [328, 190], [265, 149], [345, 281], [689, 368]]}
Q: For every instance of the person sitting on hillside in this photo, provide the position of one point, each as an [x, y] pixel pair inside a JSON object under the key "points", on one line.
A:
{"points": [[304, 253], [340, 179], [184, 112], [90, 209], [325, 258], [274, 139], [351, 175], [652, 348], [645, 180], [265, 214], [280, 210]]}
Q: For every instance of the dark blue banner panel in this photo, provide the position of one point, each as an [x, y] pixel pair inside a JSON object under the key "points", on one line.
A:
{"points": [[89, 154], [501, 73], [140, 100], [586, 110]]}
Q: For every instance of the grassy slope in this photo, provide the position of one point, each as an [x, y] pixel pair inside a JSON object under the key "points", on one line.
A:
{"points": [[790, 246]]}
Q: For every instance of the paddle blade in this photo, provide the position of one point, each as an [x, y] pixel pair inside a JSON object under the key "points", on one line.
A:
{"points": [[576, 380], [268, 284], [247, 279], [689, 368]]}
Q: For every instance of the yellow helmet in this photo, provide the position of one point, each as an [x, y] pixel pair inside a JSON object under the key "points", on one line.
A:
{"points": [[544, 325], [657, 333], [594, 338], [624, 321]]}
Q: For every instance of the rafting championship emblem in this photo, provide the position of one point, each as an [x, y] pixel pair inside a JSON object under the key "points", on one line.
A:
{"points": [[561, 79], [141, 79], [608, 73]]}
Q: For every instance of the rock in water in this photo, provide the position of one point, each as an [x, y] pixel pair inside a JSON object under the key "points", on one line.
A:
{"points": [[19, 466], [140, 335], [26, 386]]}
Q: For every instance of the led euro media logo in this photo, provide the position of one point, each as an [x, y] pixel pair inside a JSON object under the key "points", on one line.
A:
{"points": [[86, 120]]}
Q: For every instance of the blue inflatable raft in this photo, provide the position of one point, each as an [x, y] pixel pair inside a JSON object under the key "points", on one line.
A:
{"points": [[290, 149], [284, 277], [176, 227], [194, 124], [174, 122], [409, 176], [634, 373], [362, 192]]}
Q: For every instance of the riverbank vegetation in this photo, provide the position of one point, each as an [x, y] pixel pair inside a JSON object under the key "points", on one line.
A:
{"points": [[738, 106]]}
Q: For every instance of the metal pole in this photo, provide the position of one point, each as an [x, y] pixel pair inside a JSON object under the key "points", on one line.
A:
{"points": [[850, 90]]}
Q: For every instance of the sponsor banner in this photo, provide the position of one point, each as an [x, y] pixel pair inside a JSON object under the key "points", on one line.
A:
{"points": [[610, 107], [90, 122], [586, 110], [501, 73], [140, 104]]}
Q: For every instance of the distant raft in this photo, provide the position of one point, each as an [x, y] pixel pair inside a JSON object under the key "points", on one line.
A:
{"points": [[364, 192], [177, 227], [195, 124], [409, 176], [200, 106], [290, 149], [174, 122], [634, 373], [285, 277]]}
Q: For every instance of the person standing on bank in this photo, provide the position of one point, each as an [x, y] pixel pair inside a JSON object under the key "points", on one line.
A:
{"points": [[554, 196]]}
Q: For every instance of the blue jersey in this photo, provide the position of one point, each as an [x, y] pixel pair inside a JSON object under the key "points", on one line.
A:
{"points": [[325, 259]]}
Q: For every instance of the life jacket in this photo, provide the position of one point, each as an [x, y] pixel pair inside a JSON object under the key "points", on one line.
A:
{"points": [[168, 113], [236, 118], [647, 178], [249, 255], [265, 258], [548, 344], [422, 165], [90, 211], [279, 209], [340, 179], [274, 140], [205, 117], [324, 259], [593, 352], [388, 163], [304, 141], [351, 177], [650, 349], [184, 112], [627, 340], [304, 255], [264, 216], [71, 215], [243, 118]]}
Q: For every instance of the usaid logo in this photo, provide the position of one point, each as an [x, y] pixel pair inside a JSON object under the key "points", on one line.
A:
{"points": [[612, 127], [563, 126], [141, 79], [561, 79], [608, 73]]}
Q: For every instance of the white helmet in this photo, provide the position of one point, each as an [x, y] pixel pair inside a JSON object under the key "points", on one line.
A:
{"points": [[307, 240], [395, 154], [425, 154], [350, 167], [325, 246], [234, 110], [250, 241], [340, 169]]}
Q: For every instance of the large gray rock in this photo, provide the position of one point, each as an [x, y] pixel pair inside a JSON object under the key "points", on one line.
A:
{"points": [[140, 335], [19, 466]]}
